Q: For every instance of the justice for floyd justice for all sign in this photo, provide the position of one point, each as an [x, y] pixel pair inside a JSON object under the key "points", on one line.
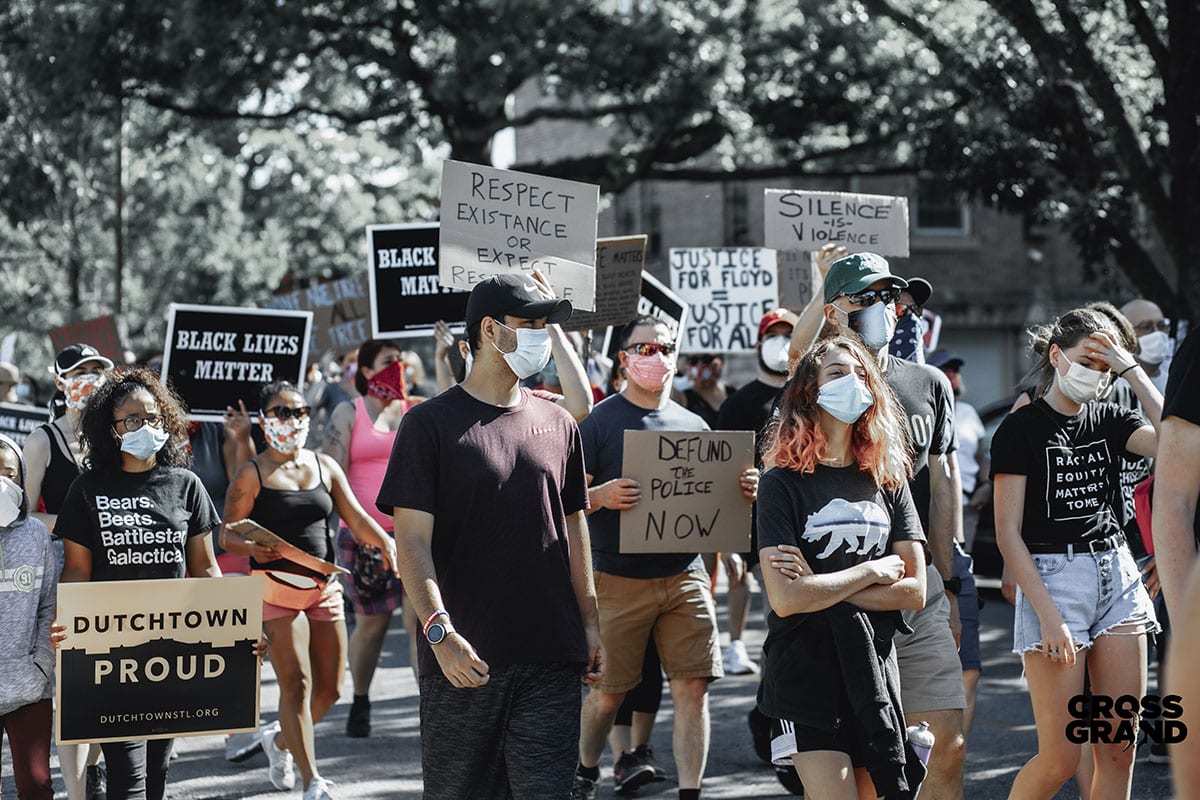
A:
{"points": [[158, 659], [215, 356]]}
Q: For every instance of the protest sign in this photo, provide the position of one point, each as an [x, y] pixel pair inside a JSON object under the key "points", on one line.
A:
{"points": [[215, 356], [496, 221], [406, 298], [692, 499], [657, 301], [17, 422], [800, 220], [157, 659], [341, 312], [728, 290], [252, 531], [619, 262], [797, 278], [103, 333]]}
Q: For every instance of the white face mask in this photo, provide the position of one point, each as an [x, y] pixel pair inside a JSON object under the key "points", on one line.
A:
{"points": [[774, 350], [1080, 384], [845, 398], [470, 359], [682, 383], [11, 497], [532, 353], [1155, 347]]}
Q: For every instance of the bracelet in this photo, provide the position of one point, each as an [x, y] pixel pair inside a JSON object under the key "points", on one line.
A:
{"points": [[1121, 374], [439, 613]]}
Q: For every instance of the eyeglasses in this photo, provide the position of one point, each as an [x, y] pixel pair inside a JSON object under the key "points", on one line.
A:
{"points": [[1150, 326], [650, 349], [287, 412], [869, 297], [132, 424]]}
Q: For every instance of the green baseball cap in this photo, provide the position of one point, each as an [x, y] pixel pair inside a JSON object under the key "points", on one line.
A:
{"points": [[854, 273]]}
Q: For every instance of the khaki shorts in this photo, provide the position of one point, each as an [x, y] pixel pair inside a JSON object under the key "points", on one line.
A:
{"points": [[678, 611], [930, 672]]}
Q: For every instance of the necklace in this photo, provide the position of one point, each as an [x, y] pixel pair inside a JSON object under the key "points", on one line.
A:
{"points": [[835, 462]]}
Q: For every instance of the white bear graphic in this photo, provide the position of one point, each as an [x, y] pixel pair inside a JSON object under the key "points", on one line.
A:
{"points": [[860, 527]]}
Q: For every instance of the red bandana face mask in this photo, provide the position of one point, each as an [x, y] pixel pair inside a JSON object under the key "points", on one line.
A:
{"points": [[389, 383]]}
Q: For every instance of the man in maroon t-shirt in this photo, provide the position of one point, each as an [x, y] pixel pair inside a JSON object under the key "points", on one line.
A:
{"points": [[487, 488]]}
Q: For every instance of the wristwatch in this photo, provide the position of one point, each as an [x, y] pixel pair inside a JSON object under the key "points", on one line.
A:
{"points": [[437, 632], [954, 585]]}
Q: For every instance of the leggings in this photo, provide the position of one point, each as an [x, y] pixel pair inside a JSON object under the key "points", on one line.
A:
{"points": [[28, 729], [137, 770], [646, 697]]}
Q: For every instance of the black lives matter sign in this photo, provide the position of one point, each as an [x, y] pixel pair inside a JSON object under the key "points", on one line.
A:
{"points": [[17, 422], [215, 356], [406, 297]]}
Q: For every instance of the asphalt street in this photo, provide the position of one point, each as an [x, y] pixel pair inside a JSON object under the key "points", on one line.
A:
{"points": [[387, 765]]}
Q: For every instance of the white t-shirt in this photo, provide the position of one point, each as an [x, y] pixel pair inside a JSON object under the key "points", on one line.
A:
{"points": [[968, 428]]}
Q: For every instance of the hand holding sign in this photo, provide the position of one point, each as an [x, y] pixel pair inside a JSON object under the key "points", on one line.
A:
{"points": [[618, 494]]}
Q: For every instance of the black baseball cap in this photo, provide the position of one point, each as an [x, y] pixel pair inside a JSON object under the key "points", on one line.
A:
{"points": [[75, 354], [921, 290], [514, 295]]}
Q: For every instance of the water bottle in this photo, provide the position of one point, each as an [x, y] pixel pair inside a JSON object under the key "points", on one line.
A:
{"points": [[920, 738]]}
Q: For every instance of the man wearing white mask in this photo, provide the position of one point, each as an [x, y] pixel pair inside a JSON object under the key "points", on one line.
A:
{"points": [[1154, 339], [486, 489]]}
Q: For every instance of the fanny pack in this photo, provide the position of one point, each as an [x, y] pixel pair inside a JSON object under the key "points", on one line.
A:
{"points": [[289, 590]]}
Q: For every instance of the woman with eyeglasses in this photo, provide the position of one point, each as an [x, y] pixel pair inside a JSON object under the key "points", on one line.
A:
{"points": [[291, 492], [1080, 604], [134, 435]]}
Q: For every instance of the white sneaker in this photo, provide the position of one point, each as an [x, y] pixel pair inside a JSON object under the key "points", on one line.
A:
{"points": [[318, 789], [240, 746], [737, 662], [280, 768]]}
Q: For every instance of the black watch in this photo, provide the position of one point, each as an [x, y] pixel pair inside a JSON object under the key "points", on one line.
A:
{"points": [[438, 632], [954, 585]]}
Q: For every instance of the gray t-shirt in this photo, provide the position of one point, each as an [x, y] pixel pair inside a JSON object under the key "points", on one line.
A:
{"points": [[603, 434]]}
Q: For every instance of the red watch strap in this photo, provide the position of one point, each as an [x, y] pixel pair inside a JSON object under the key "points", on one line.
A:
{"points": [[441, 612]]}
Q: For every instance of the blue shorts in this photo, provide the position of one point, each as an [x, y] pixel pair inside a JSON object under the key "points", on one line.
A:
{"points": [[968, 610], [1094, 593]]}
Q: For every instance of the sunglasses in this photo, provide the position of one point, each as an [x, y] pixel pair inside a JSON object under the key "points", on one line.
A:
{"points": [[870, 297], [131, 424], [650, 349], [287, 412]]}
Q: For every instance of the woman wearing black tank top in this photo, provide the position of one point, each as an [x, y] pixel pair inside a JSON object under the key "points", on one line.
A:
{"points": [[291, 491]]}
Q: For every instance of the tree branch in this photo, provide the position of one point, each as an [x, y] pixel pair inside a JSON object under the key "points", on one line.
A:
{"points": [[162, 101], [556, 112], [1141, 22]]}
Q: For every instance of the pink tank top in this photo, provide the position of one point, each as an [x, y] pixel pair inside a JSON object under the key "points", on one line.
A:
{"points": [[370, 450]]}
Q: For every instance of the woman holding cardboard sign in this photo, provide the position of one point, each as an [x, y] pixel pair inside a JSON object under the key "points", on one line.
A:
{"points": [[291, 491], [135, 513]]}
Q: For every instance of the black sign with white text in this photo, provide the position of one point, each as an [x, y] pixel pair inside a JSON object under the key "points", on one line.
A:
{"points": [[406, 298], [215, 356], [17, 422]]}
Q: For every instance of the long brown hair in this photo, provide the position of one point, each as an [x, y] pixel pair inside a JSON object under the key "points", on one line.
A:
{"points": [[878, 439], [1066, 332]]}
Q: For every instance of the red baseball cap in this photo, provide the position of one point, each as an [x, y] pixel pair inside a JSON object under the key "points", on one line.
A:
{"points": [[774, 316]]}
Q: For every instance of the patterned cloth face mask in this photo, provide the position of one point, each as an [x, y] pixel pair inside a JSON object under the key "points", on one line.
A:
{"points": [[285, 435], [79, 388]]}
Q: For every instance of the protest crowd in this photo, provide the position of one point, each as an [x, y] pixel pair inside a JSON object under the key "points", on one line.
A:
{"points": [[536, 507]]}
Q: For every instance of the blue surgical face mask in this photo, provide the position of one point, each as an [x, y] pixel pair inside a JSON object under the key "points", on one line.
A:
{"points": [[550, 374], [144, 442], [845, 398], [873, 324], [532, 353]]}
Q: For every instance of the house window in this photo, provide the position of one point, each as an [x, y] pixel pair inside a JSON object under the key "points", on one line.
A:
{"points": [[940, 210]]}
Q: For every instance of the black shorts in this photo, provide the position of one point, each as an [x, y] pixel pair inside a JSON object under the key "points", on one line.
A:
{"points": [[790, 737]]}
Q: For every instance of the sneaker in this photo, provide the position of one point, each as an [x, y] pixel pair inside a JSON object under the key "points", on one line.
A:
{"points": [[240, 746], [97, 781], [1159, 753], [358, 724], [631, 773], [646, 753], [318, 789], [583, 788], [280, 762], [760, 734], [737, 662], [789, 779]]}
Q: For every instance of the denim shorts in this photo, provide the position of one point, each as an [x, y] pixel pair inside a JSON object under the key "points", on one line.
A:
{"points": [[1094, 593]]}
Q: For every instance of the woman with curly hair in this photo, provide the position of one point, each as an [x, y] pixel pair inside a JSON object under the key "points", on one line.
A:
{"points": [[840, 534], [134, 435]]}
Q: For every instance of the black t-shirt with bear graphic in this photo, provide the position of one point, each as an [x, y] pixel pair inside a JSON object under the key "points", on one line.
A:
{"points": [[1072, 467]]}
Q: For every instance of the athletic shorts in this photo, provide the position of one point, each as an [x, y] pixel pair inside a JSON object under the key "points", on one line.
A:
{"points": [[789, 738], [930, 672], [385, 601], [968, 610], [1094, 593], [678, 611]]}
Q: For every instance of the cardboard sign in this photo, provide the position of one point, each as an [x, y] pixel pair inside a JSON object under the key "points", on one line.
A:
{"points": [[655, 300], [728, 290], [156, 659], [800, 220], [406, 298], [619, 262], [103, 333], [692, 500], [797, 278], [496, 221], [341, 312], [17, 422], [249, 529], [217, 355]]}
